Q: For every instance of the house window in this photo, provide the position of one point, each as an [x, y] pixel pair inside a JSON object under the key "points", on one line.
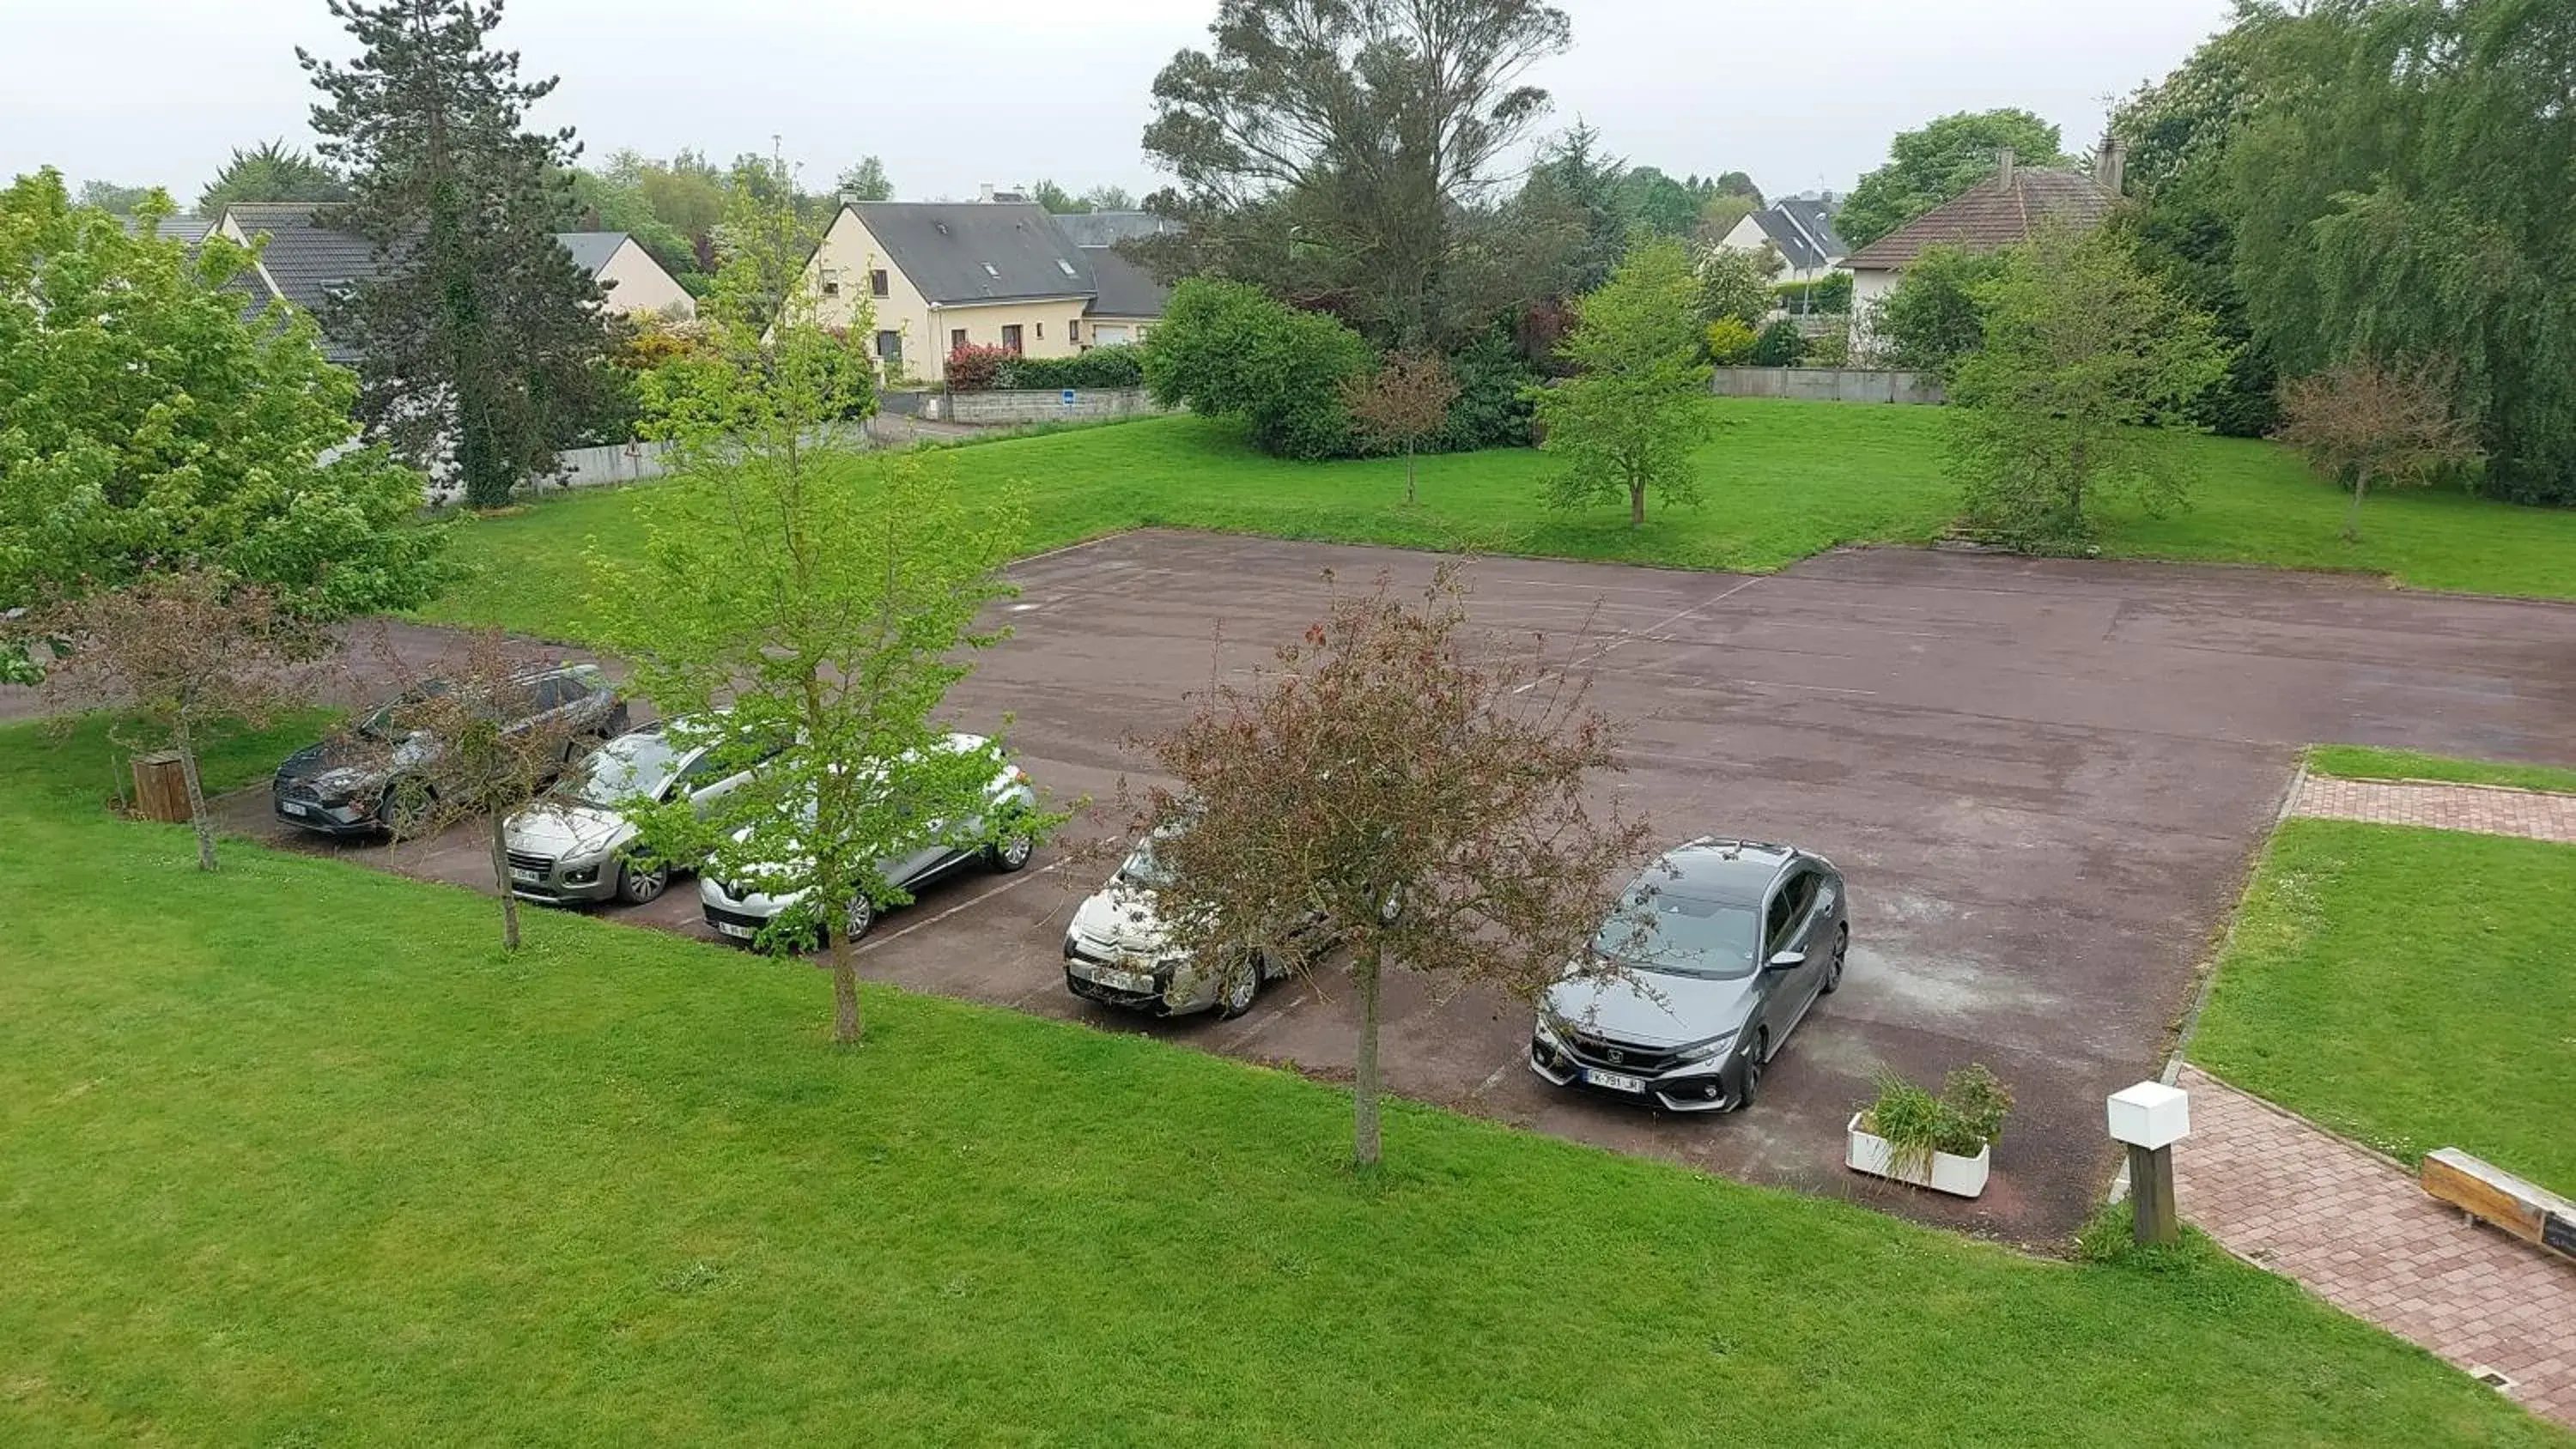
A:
{"points": [[956, 338], [877, 283], [890, 349], [1042, 332], [1011, 336], [1073, 330], [831, 287]]}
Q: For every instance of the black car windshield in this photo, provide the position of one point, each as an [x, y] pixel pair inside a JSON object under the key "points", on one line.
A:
{"points": [[1656, 930], [388, 721], [636, 765]]}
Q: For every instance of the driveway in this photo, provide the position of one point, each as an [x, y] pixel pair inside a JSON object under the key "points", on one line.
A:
{"points": [[2045, 780]]}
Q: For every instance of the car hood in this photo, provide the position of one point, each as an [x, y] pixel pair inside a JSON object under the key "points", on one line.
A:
{"points": [[566, 830], [371, 758], [1653, 1008], [1121, 919]]}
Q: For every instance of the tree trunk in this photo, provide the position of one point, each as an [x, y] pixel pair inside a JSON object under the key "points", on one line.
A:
{"points": [[1636, 505], [501, 878], [205, 827], [1408, 472], [2352, 513], [845, 986], [1364, 1133]]}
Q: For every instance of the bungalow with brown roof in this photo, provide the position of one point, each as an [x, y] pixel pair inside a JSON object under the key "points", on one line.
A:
{"points": [[2000, 211]]}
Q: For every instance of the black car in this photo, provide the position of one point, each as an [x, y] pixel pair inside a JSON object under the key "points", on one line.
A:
{"points": [[1713, 955], [382, 775]]}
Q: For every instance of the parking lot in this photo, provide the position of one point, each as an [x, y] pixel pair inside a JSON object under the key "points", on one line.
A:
{"points": [[2045, 782]]}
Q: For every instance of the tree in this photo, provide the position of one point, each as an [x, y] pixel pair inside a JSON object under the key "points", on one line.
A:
{"points": [[1780, 345], [495, 751], [270, 171], [2087, 370], [1421, 789], [114, 199], [1223, 349], [601, 202], [183, 650], [1631, 417], [1736, 183], [1721, 214], [479, 339], [802, 597], [151, 427], [1341, 145], [1582, 183], [1660, 204], [1929, 166], [1936, 315], [1405, 401], [1106, 197], [2366, 421], [685, 193], [866, 181], [1735, 284]]}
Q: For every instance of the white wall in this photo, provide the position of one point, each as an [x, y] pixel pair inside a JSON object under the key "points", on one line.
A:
{"points": [[1870, 286], [641, 286]]}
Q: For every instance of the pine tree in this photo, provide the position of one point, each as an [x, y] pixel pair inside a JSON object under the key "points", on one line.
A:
{"points": [[479, 335]]}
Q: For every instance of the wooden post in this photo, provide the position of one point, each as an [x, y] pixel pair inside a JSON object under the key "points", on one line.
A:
{"points": [[161, 787], [2151, 1196]]}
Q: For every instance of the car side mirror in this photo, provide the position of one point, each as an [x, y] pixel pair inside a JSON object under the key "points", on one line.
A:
{"points": [[1788, 960]]}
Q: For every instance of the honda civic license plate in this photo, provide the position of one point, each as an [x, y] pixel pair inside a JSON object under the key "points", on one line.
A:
{"points": [[1614, 1081]]}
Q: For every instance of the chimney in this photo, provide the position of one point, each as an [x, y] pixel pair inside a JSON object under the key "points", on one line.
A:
{"points": [[849, 198], [984, 193], [2004, 168], [2111, 165]]}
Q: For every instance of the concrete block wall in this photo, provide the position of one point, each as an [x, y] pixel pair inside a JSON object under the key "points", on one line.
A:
{"points": [[1829, 384], [991, 408]]}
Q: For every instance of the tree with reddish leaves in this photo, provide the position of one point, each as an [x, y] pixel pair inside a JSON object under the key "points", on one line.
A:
{"points": [[182, 649], [1405, 401], [1414, 789], [2366, 421]]}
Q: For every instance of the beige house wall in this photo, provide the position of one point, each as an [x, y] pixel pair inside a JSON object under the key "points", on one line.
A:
{"points": [[641, 287], [838, 279], [1120, 330]]}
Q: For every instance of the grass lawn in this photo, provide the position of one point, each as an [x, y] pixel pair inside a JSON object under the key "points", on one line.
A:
{"points": [[2356, 762], [1785, 480], [2409, 988], [294, 1155]]}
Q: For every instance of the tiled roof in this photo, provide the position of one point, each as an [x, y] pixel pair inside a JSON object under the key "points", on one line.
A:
{"points": [[1803, 231], [1126, 289], [1108, 228], [962, 253], [1989, 216], [591, 249], [308, 262]]}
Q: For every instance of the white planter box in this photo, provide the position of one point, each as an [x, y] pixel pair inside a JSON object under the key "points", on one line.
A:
{"points": [[1957, 1176]]}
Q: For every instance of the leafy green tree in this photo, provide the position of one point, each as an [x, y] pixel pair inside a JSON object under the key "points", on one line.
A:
{"points": [[1628, 422], [1736, 183], [1722, 213], [1736, 284], [685, 193], [1780, 345], [480, 340], [1584, 184], [271, 171], [600, 203], [1660, 204], [1936, 315], [866, 181], [147, 425], [801, 597], [2087, 368], [117, 200], [1342, 148], [1056, 199], [1224, 349], [1929, 166], [1106, 197]]}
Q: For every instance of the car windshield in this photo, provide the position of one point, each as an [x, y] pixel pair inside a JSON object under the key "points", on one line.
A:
{"points": [[1656, 930], [1142, 870], [622, 770], [388, 721]]}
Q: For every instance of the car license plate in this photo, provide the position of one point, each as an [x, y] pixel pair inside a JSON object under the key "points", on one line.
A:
{"points": [[291, 808], [1117, 980], [1614, 1081], [527, 877], [739, 933]]}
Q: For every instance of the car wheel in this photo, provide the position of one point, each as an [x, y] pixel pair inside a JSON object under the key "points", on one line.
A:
{"points": [[1834, 967], [863, 914], [407, 807], [639, 885], [1242, 985], [1754, 1060], [1010, 853]]}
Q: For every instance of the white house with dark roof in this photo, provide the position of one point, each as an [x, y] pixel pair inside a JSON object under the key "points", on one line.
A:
{"points": [[634, 283], [1802, 231], [940, 275]]}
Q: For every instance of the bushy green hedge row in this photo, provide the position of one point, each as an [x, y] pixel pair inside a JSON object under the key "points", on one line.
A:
{"points": [[1121, 366], [1829, 293]]}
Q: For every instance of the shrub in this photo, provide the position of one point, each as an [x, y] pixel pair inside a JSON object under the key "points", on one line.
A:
{"points": [[977, 369], [1492, 409], [1937, 315], [1121, 366], [1731, 341], [1831, 347], [1828, 294], [1780, 345], [1962, 1121], [1226, 349]]}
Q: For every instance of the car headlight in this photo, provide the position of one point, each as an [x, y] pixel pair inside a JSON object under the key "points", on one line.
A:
{"points": [[1551, 1026], [1715, 1046]]}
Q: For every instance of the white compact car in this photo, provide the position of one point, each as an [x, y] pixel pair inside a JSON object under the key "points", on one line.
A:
{"points": [[1117, 952]]}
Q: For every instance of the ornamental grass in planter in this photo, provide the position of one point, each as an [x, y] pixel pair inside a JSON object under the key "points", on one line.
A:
{"points": [[1945, 1143]]}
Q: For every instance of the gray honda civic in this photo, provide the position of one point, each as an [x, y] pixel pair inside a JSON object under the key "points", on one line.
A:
{"points": [[1712, 956]]}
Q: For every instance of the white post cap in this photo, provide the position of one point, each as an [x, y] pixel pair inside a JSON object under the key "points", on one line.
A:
{"points": [[2150, 1114]]}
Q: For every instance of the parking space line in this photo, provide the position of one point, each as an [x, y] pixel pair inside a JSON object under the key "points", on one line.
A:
{"points": [[1014, 883]]}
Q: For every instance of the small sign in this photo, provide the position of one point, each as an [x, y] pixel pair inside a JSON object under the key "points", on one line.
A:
{"points": [[1068, 397]]}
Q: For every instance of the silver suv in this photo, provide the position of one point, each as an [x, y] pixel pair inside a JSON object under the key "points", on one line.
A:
{"points": [[1713, 955], [572, 846]]}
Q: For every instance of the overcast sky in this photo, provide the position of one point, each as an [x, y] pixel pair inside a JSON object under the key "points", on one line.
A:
{"points": [[1799, 95]]}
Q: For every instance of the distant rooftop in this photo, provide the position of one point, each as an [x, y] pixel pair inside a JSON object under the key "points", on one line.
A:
{"points": [[1998, 212]]}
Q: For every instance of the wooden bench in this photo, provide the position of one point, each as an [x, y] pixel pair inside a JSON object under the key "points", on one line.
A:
{"points": [[2533, 1214]]}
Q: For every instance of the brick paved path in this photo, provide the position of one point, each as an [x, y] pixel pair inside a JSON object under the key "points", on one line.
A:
{"points": [[2484, 809], [2357, 1231]]}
